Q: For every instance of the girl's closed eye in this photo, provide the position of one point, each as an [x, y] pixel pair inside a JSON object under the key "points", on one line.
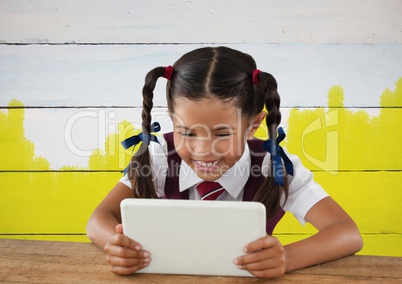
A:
{"points": [[223, 131], [223, 134], [218, 135], [188, 134]]}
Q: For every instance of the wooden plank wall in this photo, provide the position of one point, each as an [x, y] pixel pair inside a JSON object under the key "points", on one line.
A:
{"points": [[71, 73]]}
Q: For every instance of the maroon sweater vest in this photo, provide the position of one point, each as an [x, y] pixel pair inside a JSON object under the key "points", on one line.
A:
{"points": [[250, 189]]}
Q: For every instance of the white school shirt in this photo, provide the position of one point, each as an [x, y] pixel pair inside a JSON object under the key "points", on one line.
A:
{"points": [[304, 192]]}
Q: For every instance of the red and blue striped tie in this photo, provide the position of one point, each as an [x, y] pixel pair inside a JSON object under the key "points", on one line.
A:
{"points": [[209, 190]]}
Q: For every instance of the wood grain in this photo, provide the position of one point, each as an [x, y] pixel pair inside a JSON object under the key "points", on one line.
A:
{"points": [[57, 262]]}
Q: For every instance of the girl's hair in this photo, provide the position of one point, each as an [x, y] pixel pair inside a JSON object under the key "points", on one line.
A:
{"points": [[222, 73]]}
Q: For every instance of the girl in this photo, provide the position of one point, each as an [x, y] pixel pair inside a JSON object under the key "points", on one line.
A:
{"points": [[216, 100]]}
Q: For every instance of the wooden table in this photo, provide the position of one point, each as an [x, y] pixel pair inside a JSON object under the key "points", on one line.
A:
{"points": [[23, 261]]}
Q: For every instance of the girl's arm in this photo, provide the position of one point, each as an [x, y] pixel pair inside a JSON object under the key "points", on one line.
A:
{"points": [[124, 255], [337, 236], [103, 221]]}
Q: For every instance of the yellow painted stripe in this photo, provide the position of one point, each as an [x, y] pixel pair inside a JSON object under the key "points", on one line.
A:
{"points": [[339, 138], [333, 140], [51, 202], [371, 198]]}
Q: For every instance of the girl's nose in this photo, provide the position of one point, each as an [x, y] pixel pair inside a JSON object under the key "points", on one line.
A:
{"points": [[201, 146]]}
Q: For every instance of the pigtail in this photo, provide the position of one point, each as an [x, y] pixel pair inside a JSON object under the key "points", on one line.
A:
{"points": [[270, 193], [140, 169]]}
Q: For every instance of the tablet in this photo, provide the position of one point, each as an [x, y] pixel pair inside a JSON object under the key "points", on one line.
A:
{"points": [[193, 236]]}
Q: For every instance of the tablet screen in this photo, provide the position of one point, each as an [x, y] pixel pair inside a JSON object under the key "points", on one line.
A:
{"points": [[193, 236]]}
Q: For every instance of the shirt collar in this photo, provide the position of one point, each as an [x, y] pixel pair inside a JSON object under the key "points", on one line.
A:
{"points": [[232, 181]]}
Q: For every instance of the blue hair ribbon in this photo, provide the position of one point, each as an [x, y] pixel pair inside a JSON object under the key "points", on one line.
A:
{"points": [[144, 138], [141, 137], [277, 154]]}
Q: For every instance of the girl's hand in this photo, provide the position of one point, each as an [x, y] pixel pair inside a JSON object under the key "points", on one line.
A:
{"points": [[265, 258], [124, 255]]}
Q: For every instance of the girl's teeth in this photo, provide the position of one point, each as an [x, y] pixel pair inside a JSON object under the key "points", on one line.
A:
{"points": [[203, 164]]}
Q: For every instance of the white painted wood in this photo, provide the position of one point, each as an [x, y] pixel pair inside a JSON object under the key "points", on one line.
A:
{"points": [[113, 75], [197, 21]]}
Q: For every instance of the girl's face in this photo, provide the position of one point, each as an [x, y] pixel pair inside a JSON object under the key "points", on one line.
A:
{"points": [[210, 134]]}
